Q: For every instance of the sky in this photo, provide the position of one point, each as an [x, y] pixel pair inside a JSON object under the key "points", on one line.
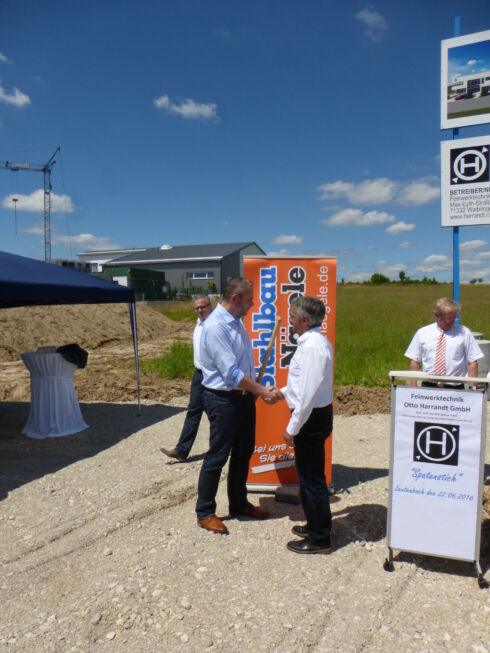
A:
{"points": [[468, 59], [310, 128]]}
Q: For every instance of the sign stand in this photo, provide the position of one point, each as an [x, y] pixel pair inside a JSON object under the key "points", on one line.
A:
{"points": [[437, 463]]}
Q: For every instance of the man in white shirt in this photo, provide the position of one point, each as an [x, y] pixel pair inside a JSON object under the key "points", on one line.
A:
{"points": [[309, 394], [444, 347], [202, 307]]}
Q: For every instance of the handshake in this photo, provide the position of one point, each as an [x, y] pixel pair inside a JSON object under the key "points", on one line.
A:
{"points": [[271, 395]]}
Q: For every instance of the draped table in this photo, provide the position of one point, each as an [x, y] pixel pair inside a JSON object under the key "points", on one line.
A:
{"points": [[54, 410]]}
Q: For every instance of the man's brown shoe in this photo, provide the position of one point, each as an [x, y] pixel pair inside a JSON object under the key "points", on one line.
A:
{"points": [[254, 512], [213, 524], [173, 453]]}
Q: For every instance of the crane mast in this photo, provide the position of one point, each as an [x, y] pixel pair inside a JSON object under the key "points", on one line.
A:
{"points": [[46, 170]]}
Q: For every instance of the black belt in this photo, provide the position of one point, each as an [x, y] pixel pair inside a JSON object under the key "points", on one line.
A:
{"points": [[227, 393], [450, 386]]}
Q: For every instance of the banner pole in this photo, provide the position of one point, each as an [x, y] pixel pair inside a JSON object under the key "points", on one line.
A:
{"points": [[456, 289]]}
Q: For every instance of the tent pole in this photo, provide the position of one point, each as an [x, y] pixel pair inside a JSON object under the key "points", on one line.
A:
{"points": [[134, 330]]}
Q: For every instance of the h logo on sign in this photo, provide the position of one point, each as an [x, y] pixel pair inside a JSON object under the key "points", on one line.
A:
{"points": [[436, 443], [469, 165]]}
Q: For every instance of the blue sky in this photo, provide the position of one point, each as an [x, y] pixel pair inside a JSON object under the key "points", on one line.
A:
{"points": [[468, 59], [309, 127]]}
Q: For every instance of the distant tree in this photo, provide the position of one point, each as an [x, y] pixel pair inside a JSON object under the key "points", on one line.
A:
{"points": [[378, 279], [402, 276], [476, 280]]}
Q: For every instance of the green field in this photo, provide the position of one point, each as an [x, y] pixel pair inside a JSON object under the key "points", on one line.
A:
{"points": [[376, 323]]}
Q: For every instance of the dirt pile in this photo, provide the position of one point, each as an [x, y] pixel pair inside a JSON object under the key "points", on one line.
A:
{"points": [[355, 400], [90, 325]]}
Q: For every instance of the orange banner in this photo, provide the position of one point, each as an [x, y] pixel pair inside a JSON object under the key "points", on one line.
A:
{"points": [[277, 281]]}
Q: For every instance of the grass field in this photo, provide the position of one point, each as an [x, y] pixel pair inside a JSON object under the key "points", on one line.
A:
{"points": [[376, 323]]}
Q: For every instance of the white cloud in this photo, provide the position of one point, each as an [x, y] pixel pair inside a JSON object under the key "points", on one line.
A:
{"points": [[404, 244], [483, 255], [357, 218], [87, 241], [370, 191], [472, 62], [4, 58], [359, 276], [435, 263], [34, 230], [399, 227], [380, 191], [280, 252], [471, 245], [34, 202], [418, 192], [390, 270], [287, 240], [374, 23], [187, 108], [15, 99]]}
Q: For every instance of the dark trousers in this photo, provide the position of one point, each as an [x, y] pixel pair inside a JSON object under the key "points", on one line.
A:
{"points": [[451, 386], [232, 434], [193, 418], [309, 449]]}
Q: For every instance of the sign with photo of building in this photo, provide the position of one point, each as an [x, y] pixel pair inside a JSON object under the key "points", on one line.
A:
{"points": [[465, 80], [465, 182]]}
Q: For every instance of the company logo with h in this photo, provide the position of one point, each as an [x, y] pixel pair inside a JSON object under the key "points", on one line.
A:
{"points": [[436, 443]]}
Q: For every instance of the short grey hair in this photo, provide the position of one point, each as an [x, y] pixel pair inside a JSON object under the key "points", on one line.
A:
{"points": [[310, 308], [445, 305], [237, 286], [206, 297]]}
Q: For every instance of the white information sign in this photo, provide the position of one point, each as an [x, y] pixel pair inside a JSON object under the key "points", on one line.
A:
{"points": [[465, 80], [465, 182], [434, 502]]}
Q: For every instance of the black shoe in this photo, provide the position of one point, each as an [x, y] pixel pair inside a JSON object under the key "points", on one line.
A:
{"points": [[305, 546], [173, 453], [300, 531]]}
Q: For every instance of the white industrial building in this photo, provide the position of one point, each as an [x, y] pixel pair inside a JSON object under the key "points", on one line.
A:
{"points": [[471, 85]]}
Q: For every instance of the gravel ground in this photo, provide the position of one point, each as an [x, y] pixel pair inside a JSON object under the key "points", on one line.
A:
{"points": [[100, 552]]}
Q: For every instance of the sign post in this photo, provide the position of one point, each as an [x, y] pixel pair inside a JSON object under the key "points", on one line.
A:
{"points": [[437, 468]]}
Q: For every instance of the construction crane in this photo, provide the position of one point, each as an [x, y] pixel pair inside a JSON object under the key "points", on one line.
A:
{"points": [[46, 170]]}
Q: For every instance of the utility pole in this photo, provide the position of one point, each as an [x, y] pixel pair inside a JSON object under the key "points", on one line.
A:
{"points": [[46, 170]]}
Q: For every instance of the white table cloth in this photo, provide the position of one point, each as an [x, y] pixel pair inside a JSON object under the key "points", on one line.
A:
{"points": [[54, 409]]}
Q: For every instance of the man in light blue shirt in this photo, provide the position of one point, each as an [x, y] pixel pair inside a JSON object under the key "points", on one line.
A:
{"points": [[229, 393]]}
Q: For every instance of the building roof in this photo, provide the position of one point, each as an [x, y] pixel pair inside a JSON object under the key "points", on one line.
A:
{"points": [[178, 253]]}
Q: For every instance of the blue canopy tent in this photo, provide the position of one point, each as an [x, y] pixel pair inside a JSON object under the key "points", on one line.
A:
{"points": [[27, 282]]}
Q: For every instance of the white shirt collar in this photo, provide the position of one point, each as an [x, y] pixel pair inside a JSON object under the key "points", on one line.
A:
{"points": [[307, 334]]}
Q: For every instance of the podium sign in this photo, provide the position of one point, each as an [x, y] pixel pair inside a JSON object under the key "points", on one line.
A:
{"points": [[438, 440]]}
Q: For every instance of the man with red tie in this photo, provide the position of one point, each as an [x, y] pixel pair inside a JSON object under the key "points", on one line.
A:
{"points": [[444, 347]]}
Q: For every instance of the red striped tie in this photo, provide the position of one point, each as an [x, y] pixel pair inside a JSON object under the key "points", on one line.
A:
{"points": [[440, 365]]}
